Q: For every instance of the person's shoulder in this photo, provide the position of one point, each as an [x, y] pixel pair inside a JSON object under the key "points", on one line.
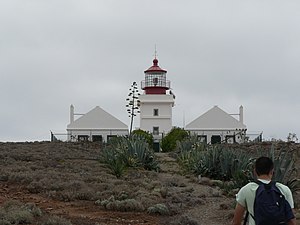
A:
{"points": [[280, 185], [283, 188], [250, 186]]}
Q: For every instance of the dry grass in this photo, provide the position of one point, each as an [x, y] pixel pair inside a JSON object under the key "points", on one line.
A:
{"points": [[69, 172]]}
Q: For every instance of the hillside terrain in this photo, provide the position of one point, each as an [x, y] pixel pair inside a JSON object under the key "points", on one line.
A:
{"points": [[66, 182]]}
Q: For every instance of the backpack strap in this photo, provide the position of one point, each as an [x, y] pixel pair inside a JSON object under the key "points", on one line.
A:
{"points": [[267, 186], [246, 218], [248, 213]]}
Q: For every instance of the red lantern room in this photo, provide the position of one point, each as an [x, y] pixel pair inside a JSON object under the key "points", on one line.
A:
{"points": [[155, 80]]}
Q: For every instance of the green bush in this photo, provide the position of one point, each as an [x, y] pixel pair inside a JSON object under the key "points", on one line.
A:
{"points": [[146, 135], [169, 142]]}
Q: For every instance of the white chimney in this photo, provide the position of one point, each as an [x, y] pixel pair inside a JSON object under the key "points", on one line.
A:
{"points": [[71, 114], [241, 114]]}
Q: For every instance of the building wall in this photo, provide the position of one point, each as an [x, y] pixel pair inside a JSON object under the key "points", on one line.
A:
{"points": [[165, 110], [165, 125], [148, 120], [73, 135], [226, 136]]}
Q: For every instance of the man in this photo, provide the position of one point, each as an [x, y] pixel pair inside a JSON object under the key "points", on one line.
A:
{"points": [[264, 169]]}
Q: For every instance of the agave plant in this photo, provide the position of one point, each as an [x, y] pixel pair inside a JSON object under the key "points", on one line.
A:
{"points": [[217, 162], [190, 152], [284, 167], [210, 162], [128, 152], [111, 158], [137, 149], [188, 160]]}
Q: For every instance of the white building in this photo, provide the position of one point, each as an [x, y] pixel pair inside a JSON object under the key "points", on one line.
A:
{"points": [[216, 126], [156, 102], [96, 125]]}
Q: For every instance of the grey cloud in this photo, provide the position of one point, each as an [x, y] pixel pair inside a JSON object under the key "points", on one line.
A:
{"points": [[57, 53]]}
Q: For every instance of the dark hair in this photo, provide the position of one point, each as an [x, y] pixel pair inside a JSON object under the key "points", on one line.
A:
{"points": [[263, 165]]}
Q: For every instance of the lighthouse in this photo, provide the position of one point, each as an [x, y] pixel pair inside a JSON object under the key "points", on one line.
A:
{"points": [[156, 102]]}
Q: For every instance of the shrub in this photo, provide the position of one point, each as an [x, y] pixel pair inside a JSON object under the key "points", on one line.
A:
{"points": [[33, 209], [170, 140], [4, 221], [56, 220], [128, 152], [111, 158], [122, 204], [225, 164], [160, 209], [14, 212], [190, 151], [184, 220], [146, 135], [284, 167], [20, 216], [217, 162]]}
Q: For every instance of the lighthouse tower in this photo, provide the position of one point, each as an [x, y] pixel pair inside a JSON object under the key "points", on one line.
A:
{"points": [[156, 102]]}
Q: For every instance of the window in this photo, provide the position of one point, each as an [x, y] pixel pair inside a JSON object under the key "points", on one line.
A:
{"points": [[110, 137], [97, 138], [155, 81], [202, 138], [230, 139], [155, 112], [215, 139], [155, 130], [83, 137]]}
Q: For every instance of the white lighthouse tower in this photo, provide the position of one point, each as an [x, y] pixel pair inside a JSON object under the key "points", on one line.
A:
{"points": [[156, 102]]}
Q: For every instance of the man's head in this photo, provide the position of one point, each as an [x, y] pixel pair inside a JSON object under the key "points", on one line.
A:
{"points": [[264, 166]]}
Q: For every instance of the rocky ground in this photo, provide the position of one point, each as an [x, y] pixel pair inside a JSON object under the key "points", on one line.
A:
{"points": [[66, 180]]}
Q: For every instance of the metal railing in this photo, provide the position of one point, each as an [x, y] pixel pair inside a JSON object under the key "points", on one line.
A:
{"points": [[165, 84]]}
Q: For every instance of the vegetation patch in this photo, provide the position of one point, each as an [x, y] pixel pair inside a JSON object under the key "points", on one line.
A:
{"points": [[122, 153], [14, 212], [124, 205], [169, 142], [160, 209], [56, 220], [72, 172]]}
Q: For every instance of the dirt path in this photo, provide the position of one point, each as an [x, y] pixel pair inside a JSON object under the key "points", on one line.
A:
{"points": [[214, 207]]}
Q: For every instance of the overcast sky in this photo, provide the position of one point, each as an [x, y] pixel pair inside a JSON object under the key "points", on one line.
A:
{"points": [[88, 52]]}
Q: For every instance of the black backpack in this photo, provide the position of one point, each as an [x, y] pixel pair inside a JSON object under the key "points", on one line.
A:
{"points": [[270, 205]]}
